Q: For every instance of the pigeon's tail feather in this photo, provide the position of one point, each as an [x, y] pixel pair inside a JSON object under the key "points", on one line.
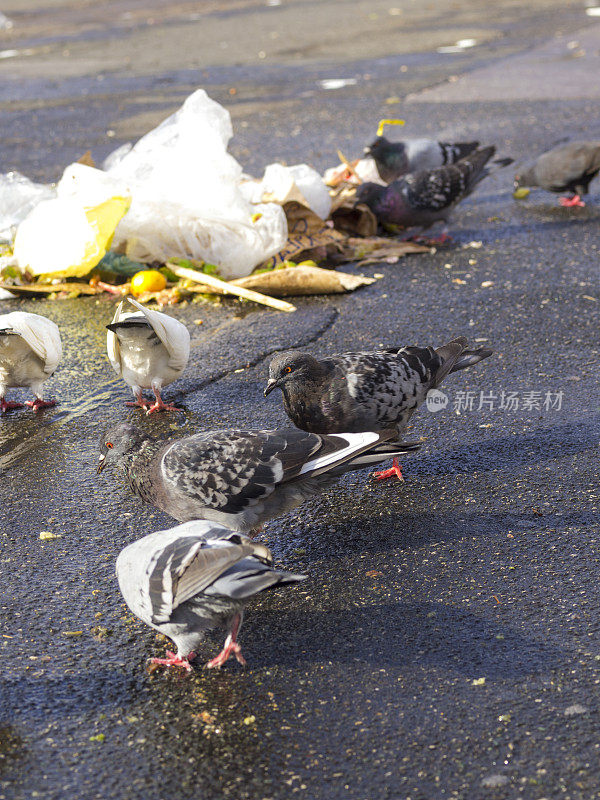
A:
{"points": [[498, 163], [382, 452], [449, 354], [469, 357]]}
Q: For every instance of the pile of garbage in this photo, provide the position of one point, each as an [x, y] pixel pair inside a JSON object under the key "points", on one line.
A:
{"points": [[174, 217]]}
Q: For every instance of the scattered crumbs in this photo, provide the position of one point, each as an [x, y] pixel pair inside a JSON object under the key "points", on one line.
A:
{"points": [[72, 633], [250, 720], [478, 681], [571, 711], [491, 781], [588, 297], [99, 737], [49, 535], [486, 284]]}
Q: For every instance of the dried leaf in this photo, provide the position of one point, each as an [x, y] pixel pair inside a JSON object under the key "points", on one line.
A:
{"points": [[303, 280]]}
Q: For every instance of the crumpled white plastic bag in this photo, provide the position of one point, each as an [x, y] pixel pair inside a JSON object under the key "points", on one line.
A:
{"points": [[186, 198], [18, 196], [285, 184]]}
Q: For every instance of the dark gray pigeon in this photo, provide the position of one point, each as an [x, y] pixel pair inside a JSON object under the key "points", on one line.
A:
{"points": [[367, 390], [568, 168], [422, 198], [395, 159], [187, 580], [240, 479]]}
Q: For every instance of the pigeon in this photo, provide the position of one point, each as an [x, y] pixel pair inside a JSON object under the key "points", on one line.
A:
{"points": [[148, 350], [240, 479], [568, 168], [422, 198], [367, 390], [187, 580], [395, 159], [30, 352]]}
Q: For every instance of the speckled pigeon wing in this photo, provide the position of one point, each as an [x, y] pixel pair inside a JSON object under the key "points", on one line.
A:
{"points": [[383, 387], [439, 189], [230, 470], [172, 333]]}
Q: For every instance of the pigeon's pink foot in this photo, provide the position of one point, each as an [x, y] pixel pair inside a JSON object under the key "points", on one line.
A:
{"points": [[145, 404], [160, 406], [37, 404], [389, 473], [570, 202], [7, 405], [174, 660], [230, 647], [140, 401]]}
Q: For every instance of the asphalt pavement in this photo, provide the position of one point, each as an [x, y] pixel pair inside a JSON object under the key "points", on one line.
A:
{"points": [[447, 641]]}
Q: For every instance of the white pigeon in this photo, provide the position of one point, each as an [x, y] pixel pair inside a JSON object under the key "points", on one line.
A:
{"points": [[148, 350], [30, 352]]}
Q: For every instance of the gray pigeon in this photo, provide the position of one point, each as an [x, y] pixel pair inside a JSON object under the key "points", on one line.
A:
{"points": [[30, 352], [422, 198], [364, 391], [395, 159], [568, 168], [238, 478], [187, 580]]}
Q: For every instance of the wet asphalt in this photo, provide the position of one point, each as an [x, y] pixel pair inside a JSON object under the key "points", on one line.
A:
{"points": [[447, 641]]}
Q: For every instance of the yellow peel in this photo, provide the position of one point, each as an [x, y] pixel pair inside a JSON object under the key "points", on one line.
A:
{"points": [[384, 122], [148, 280], [520, 193]]}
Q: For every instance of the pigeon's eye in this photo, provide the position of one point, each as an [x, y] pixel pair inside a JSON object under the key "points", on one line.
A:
{"points": [[109, 445], [288, 369]]}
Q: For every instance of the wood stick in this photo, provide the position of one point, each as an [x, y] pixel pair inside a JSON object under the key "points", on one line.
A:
{"points": [[228, 288], [49, 288]]}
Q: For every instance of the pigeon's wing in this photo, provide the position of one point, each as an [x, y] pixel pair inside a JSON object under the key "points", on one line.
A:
{"points": [[339, 449], [438, 189], [231, 470], [454, 151], [564, 166], [172, 333], [112, 342], [41, 334], [249, 577], [186, 565]]}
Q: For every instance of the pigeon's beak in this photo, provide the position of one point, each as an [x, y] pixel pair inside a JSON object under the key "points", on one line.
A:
{"points": [[101, 463], [272, 384]]}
